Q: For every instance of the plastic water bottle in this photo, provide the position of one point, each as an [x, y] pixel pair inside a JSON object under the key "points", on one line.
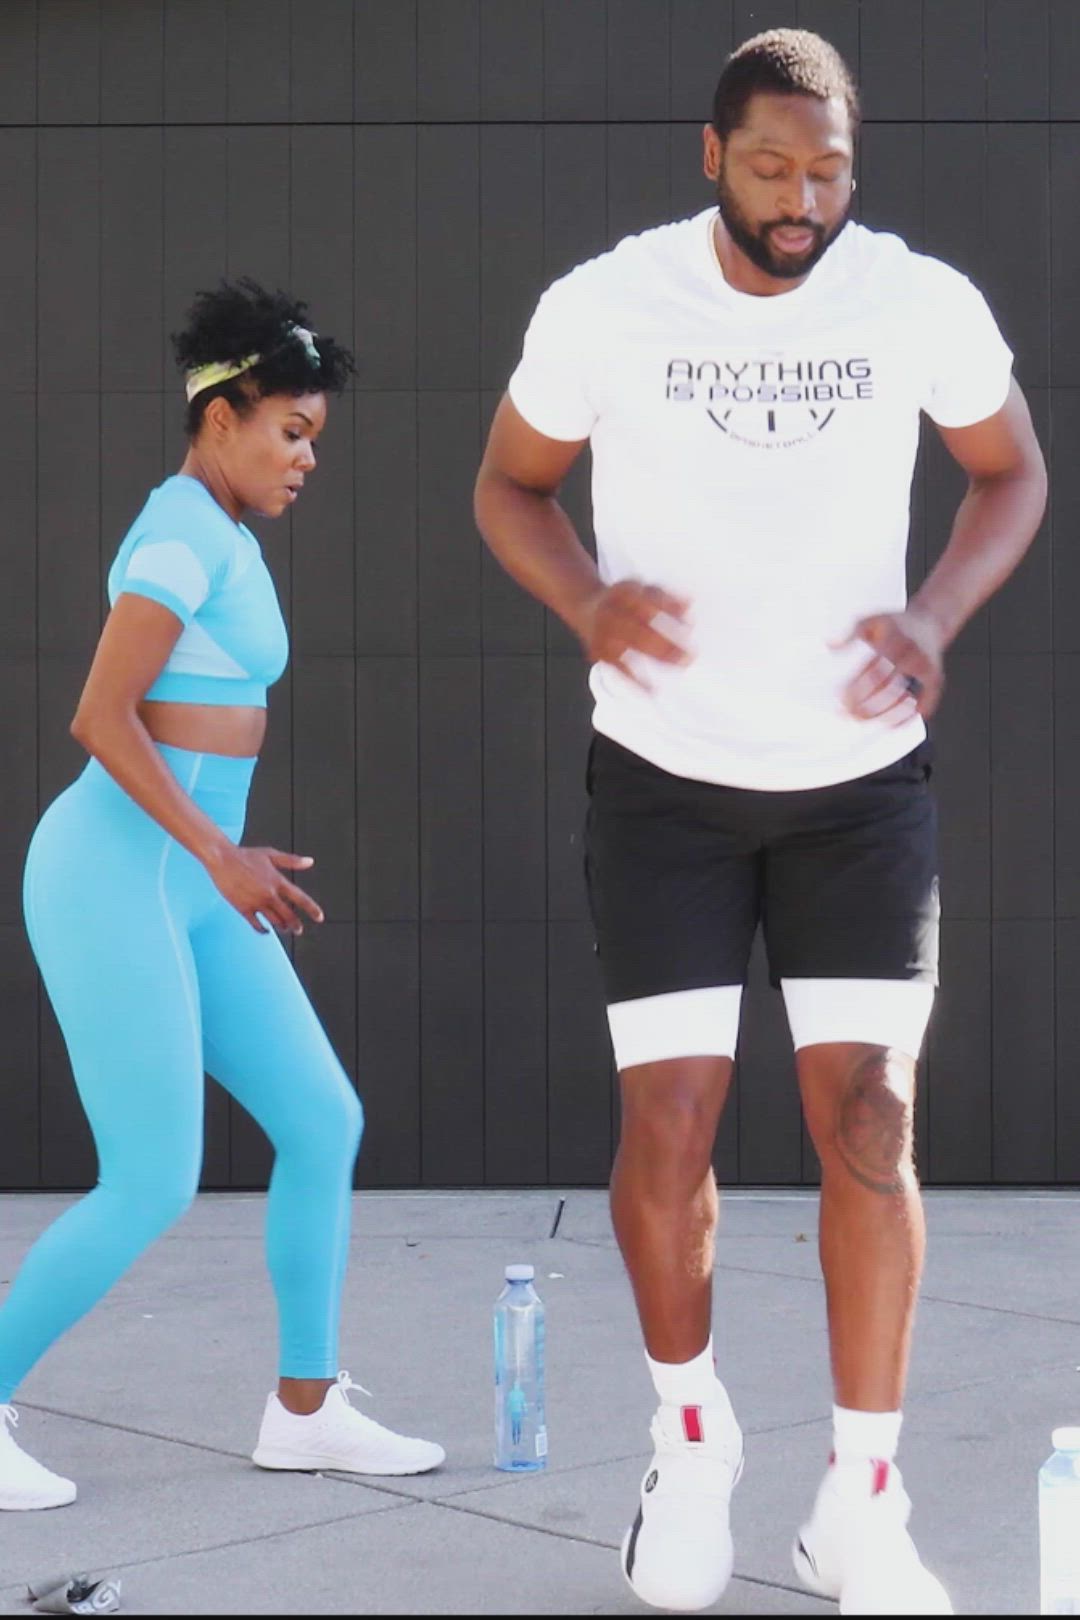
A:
{"points": [[1059, 1525], [520, 1432]]}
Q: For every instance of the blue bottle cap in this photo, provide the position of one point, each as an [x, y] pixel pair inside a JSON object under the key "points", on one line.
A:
{"points": [[520, 1273]]}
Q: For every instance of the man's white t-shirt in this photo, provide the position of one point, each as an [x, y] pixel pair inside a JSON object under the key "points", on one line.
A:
{"points": [[755, 456]]}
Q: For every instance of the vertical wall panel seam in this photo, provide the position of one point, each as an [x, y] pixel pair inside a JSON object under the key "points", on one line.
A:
{"points": [[607, 217], [37, 569], [1052, 538], [858, 45], [544, 650], [418, 536], [926, 550], [922, 95], [992, 807], [482, 661], [290, 549], [608, 1077], [99, 143], [165, 374], [164, 4], [356, 998], [227, 1110]]}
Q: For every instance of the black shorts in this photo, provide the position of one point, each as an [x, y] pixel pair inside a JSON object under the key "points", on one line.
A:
{"points": [[680, 872]]}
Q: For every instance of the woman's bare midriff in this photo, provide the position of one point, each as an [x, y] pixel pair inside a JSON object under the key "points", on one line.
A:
{"points": [[204, 728]]}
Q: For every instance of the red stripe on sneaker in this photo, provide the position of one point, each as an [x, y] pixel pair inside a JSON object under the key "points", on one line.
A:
{"points": [[881, 1478], [691, 1422]]}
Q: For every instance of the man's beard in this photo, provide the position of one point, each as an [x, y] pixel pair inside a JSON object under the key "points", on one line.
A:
{"points": [[756, 244]]}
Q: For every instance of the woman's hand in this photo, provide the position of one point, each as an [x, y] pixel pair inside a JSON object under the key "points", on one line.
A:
{"points": [[252, 881]]}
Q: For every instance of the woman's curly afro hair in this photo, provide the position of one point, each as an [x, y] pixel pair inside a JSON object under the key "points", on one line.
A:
{"points": [[239, 318]]}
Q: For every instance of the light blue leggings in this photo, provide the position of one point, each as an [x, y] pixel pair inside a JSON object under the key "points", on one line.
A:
{"points": [[154, 977]]}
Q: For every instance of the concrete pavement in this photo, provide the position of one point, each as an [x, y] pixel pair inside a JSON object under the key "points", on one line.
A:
{"points": [[153, 1402]]}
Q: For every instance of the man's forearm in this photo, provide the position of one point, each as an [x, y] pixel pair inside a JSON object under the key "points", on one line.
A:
{"points": [[534, 540], [996, 523]]}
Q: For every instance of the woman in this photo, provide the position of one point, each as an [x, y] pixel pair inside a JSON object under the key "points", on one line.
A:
{"points": [[148, 917]]}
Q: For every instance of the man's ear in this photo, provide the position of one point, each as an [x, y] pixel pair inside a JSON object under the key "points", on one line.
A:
{"points": [[712, 153]]}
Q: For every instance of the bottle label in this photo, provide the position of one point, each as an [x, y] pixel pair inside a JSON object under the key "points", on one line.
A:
{"points": [[541, 1442], [1059, 1523]]}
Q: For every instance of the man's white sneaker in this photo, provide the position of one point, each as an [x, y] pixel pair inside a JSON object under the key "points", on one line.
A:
{"points": [[338, 1436], [24, 1483], [856, 1545], [678, 1554]]}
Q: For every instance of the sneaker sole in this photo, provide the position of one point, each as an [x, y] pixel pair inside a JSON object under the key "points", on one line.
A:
{"points": [[631, 1536], [807, 1573], [21, 1505], [284, 1462], [671, 1608]]}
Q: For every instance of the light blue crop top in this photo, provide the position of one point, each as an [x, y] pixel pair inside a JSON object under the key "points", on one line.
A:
{"points": [[185, 551]]}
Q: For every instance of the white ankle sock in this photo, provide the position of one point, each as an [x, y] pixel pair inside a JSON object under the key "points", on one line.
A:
{"points": [[688, 1383], [858, 1436]]}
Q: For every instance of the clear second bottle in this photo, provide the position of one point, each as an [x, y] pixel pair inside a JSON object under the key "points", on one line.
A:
{"points": [[1059, 1525], [520, 1424]]}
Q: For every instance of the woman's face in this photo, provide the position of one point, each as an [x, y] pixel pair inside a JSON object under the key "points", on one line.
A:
{"points": [[266, 455]]}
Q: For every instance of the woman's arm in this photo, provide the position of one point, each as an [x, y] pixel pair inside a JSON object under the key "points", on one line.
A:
{"points": [[138, 637], [135, 644]]}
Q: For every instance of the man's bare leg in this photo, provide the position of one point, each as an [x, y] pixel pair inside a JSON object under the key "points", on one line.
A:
{"points": [[678, 1553], [664, 1202], [859, 1103]]}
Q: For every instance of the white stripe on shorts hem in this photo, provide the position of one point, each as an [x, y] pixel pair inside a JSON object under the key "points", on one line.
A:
{"points": [[680, 1023]]}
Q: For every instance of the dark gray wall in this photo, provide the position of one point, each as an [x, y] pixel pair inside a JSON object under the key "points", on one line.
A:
{"points": [[418, 170]]}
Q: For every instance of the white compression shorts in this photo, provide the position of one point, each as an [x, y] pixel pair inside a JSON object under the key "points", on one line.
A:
{"points": [[705, 1023]]}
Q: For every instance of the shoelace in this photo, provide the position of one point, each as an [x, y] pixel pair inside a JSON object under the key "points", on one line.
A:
{"points": [[9, 1416], [345, 1383]]}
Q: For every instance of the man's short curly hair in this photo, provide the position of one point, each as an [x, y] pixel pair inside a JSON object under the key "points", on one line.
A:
{"points": [[783, 61]]}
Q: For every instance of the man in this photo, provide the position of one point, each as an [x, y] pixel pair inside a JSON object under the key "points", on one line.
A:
{"points": [[751, 381]]}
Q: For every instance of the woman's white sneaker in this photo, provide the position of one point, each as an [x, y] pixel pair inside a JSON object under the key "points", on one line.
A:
{"points": [[678, 1554], [856, 1545], [337, 1436], [24, 1484]]}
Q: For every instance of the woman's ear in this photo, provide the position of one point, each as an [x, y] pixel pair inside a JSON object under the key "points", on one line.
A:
{"points": [[219, 416]]}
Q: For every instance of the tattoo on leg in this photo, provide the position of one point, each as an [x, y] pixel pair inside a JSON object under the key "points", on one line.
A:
{"points": [[874, 1127]]}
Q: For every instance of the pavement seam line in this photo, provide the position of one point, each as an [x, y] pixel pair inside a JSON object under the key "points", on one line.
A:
{"points": [[605, 1546], [237, 1541], [935, 1299]]}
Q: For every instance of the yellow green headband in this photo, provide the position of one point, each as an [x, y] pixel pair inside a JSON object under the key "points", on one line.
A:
{"points": [[219, 371]]}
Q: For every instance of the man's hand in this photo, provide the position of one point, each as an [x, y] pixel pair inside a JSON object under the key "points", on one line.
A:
{"points": [[629, 617], [906, 674]]}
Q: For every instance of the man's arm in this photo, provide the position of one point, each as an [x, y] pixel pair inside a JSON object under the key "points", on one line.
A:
{"points": [[997, 519], [527, 530], [994, 526]]}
